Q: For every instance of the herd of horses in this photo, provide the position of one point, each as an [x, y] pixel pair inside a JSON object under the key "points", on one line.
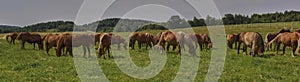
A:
{"points": [[161, 41], [255, 41], [66, 41]]}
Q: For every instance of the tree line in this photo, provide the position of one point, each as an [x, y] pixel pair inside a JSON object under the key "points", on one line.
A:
{"points": [[131, 25]]}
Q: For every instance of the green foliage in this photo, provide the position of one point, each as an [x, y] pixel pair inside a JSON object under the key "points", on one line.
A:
{"points": [[152, 27]]}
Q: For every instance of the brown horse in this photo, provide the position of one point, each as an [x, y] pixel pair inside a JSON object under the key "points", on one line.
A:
{"points": [[50, 41], [137, 37], [197, 39], [149, 40], [104, 45], [232, 39], [287, 39], [69, 41], [30, 38], [12, 37], [206, 41], [268, 38], [254, 41], [170, 38], [117, 39]]}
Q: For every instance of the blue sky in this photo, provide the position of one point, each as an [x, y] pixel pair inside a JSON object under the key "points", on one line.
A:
{"points": [[26, 12]]}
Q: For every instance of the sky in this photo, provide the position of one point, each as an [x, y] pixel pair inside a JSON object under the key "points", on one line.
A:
{"points": [[27, 12]]}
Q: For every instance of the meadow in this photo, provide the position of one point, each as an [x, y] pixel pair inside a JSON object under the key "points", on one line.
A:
{"points": [[35, 65]]}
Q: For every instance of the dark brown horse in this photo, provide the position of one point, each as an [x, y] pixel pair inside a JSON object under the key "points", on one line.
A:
{"points": [[268, 38], [287, 39], [253, 40], [137, 37], [206, 41], [12, 37], [30, 38]]}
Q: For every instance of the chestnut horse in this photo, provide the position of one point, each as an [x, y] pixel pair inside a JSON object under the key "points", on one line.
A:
{"points": [[50, 41], [104, 45], [253, 40], [30, 38], [170, 38], [69, 41], [287, 39]]}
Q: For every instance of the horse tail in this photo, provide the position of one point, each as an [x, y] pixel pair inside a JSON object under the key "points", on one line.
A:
{"points": [[6, 37], [275, 39], [259, 39]]}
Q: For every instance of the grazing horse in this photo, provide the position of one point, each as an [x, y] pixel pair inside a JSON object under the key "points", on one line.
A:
{"points": [[12, 37], [104, 45], [232, 39], [170, 38], [69, 41], [197, 39], [253, 40], [30, 38], [117, 39], [206, 41], [50, 41], [268, 38], [287, 39], [149, 40], [139, 37]]}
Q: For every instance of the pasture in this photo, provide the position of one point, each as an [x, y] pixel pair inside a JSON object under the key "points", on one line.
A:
{"points": [[35, 65]]}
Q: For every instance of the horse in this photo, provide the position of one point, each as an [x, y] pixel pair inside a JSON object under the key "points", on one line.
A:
{"points": [[206, 41], [104, 44], [268, 38], [117, 39], [170, 38], [69, 41], [287, 39], [253, 40], [30, 38], [50, 41], [12, 37], [232, 39]]}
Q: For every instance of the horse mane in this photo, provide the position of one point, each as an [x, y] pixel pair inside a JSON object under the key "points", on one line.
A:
{"points": [[284, 30]]}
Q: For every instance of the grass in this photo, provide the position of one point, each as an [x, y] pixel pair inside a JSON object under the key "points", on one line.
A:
{"points": [[34, 65]]}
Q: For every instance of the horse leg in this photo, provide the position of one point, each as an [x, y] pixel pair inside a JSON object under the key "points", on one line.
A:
{"points": [[33, 45], [168, 46], [238, 49], [89, 52], [245, 49], [174, 47], [283, 50], [179, 50], [84, 50], [69, 49], [119, 46], [47, 49], [108, 50], [277, 48], [140, 44], [294, 47], [23, 45]]}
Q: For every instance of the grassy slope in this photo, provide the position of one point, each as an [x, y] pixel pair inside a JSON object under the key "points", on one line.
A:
{"points": [[35, 65]]}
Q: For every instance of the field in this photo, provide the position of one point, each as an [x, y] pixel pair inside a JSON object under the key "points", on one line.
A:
{"points": [[35, 65]]}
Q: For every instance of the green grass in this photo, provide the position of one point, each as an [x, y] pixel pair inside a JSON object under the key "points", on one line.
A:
{"points": [[34, 65]]}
